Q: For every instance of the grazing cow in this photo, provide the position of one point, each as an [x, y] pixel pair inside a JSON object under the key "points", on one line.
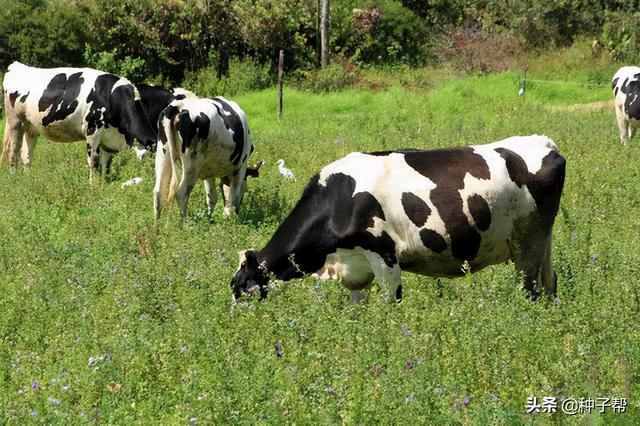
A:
{"points": [[203, 139], [69, 104], [437, 213], [626, 90]]}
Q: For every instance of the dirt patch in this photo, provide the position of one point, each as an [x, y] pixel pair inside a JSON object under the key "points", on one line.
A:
{"points": [[591, 106]]}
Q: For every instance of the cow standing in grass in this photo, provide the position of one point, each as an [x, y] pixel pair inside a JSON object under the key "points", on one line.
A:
{"points": [[437, 213], [626, 92], [202, 139], [70, 104]]}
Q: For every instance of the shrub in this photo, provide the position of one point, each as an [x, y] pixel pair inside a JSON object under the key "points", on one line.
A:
{"points": [[621, 35], [480, 51], [244, 75], [336, 76]]}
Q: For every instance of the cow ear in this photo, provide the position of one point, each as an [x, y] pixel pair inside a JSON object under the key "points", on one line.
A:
{"points": [[255, 170], [250, 256]]}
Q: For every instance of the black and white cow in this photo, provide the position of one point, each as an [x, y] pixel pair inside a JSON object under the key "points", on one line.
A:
{"points": [[626, 90], [155, 99], [70, 104], [202, 139], [435, 213]]}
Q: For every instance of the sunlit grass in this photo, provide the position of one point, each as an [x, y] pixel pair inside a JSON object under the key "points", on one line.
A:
{"points": [[105, 317]]}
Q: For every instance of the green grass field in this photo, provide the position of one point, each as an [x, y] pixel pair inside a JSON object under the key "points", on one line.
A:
{"points": [[106, 318]]}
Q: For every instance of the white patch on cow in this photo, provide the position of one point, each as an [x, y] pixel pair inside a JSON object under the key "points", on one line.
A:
{"points": [[532, 149], [124, 82], [627, 125], [350, 267], [388, 177], [210, 159]]}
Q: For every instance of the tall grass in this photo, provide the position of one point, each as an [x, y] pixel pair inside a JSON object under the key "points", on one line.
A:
{"points": [[105, 317]]}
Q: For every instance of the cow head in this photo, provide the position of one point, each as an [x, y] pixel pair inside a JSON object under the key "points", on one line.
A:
{"points": [[129, 114], [250, 276]]}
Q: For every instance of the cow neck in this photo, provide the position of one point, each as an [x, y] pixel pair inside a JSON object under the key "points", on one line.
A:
{"points": [[295, 249]]}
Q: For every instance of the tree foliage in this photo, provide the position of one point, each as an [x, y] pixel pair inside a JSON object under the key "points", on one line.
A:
{"points": [[165, 41]]}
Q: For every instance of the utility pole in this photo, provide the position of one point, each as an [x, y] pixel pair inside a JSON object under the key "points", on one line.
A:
{"points": [[324, 34]]}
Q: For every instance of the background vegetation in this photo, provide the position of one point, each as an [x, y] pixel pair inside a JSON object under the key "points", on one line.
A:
{"points": [[203, 43], [106, 317]]}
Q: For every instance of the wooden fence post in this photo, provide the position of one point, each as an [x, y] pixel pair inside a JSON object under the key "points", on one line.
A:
{"points": [[280, 81], [324, 34]]}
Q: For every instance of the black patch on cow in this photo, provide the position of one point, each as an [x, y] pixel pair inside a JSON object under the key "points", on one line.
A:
{"points": [[614, 82], [98, 101], [399, 293], [545, 186], [447, 169], [118, 108], [325, 219], [12, 98], [180, 97], [24, 98], [189, 130], [154, 100], [169, 113], [380, 153], [479, 209], [632, 99], [232, 121], [61, 96], [415, 208], [432, 240]]}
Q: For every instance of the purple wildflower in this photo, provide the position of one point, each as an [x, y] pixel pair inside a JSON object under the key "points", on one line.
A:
{"points": [[331, 389], [466, 401], [193, 420], [33, 413], [405, 331], [53, 401], [594, 257], [409, 365], [278, 348], [35, 385]]}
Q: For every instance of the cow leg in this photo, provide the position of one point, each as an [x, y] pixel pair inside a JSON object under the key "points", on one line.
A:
{"points": [[163, 178], [358, 296], [623, 126], [210, 194], [105, 160], [532, 257], [632, 131], [232, 197], [28, 145], [16, 134], [186, 185], [388, 277], [93, 158]]}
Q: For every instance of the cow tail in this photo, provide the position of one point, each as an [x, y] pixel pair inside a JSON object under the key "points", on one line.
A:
{"points": [[5, 136], [5, 141], [174, 157]]}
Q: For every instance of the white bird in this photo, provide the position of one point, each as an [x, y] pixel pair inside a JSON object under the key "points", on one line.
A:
{"points": [[140, 152], [288, 174], [131, 182]]}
